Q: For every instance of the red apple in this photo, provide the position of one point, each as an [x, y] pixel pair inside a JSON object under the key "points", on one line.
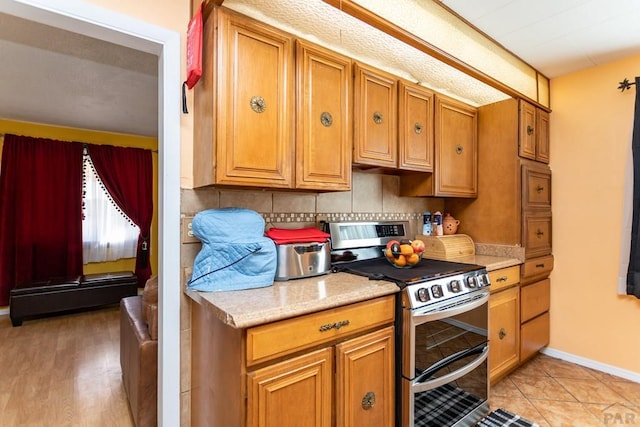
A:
{"points": [[418, 246]]}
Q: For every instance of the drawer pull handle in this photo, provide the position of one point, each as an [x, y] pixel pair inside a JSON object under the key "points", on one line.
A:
{"points": [[502, 333], [459, 149], [377, 117], [539, 233], [529, 130], [335, 325], [539, 265], [417, 128], [501, 279], [368, 400], [539, 188]]}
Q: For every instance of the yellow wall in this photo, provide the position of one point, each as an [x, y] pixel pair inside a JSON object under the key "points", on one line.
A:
{"points": [[591, 127], [95, 137]]}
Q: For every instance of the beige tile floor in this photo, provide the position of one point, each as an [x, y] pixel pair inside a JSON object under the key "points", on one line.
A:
{"points": [[555, 393]]}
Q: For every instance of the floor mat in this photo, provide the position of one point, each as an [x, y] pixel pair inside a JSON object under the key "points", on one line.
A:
{"points": [[503, 418]]}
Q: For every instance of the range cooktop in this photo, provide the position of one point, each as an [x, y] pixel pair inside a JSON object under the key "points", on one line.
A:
{"points": [[427, 269]]}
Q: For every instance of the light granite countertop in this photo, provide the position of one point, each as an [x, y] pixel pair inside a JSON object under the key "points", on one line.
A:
{"points": [[252, 307]]}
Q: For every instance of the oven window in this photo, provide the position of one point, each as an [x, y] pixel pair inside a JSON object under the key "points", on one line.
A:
{"points": [[455, 347], [448, 345]]}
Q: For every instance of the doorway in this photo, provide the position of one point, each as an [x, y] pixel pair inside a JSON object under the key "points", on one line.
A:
{"points": [[93, 21]]}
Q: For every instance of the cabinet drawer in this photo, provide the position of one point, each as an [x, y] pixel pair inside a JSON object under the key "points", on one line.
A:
{"points": [[537, 233], [536, 268], [267, 342], [534, 299], [504, 277], [536, 186], [533, 336]]}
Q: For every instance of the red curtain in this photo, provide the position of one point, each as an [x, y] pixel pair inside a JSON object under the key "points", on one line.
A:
{"points": [[127, 173], [40, 211]]}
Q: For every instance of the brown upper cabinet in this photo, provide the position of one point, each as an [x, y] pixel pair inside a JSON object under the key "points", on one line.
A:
{"points": [[393, 122], [375, 130], [534, 133], [275, 112], [323, 119], [415, 127], [243, 105], [246, 105], [514, 199], [455, 154]]}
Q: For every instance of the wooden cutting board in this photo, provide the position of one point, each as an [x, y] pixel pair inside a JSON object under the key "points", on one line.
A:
{"points": [[450, 247]]}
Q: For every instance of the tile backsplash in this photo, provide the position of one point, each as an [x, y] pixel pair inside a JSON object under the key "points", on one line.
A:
{"points": [[372, 197], [371, 194]]}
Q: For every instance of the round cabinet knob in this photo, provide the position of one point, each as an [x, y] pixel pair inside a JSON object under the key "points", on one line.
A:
{"points": [[423, 295]]}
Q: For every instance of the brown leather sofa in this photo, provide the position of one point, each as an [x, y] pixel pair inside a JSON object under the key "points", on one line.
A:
{"points": [[139, 353]]}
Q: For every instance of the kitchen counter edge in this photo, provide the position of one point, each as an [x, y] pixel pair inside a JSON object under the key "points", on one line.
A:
{"points": [[282, 300]]}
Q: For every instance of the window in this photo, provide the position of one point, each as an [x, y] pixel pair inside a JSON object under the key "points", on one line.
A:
{"points": [[107, 233]]}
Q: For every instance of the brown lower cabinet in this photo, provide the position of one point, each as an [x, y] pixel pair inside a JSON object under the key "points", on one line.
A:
{"points": [[504, 322], [518, 314], [534, 335], [296, 372]]}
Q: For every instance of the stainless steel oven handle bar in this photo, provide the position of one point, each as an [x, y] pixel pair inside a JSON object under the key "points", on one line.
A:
{"points": [[452, 376], [418, 316], [478, 349]]}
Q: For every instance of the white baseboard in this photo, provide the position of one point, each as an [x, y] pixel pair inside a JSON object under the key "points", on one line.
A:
{"points": [[4, 311], [598, 366]]}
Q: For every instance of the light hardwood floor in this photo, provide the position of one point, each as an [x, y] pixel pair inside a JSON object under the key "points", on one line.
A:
{"points": [[63, 371]]}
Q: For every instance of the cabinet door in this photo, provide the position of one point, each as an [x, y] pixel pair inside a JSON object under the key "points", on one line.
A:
{"points": [[527, 143], [415, 128], [504, 332], [255, 112], [535, 335], [293, 393], [365, 380], [456, 149], [536, 233], [323, 134], [542, 136], [375, 118]]}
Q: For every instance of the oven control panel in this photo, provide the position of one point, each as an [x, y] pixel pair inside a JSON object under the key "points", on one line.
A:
{"points": [[436, 291], [349, 235]]}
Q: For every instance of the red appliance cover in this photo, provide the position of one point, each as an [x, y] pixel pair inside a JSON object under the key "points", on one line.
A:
{"points": [[297, 235]]}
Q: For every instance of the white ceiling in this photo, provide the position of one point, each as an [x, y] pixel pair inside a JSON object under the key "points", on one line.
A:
{"points": [[53, 76], [57, 77], [558, 36]]}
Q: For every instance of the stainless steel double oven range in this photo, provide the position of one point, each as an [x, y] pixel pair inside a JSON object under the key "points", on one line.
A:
{"points": [[441, 326]]}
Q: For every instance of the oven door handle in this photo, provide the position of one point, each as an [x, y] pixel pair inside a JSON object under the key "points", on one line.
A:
{"points": [[419, 385], [419, 317]]}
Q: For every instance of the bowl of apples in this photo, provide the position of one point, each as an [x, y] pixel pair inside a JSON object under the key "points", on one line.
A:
{"points": [[404, 253]]}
